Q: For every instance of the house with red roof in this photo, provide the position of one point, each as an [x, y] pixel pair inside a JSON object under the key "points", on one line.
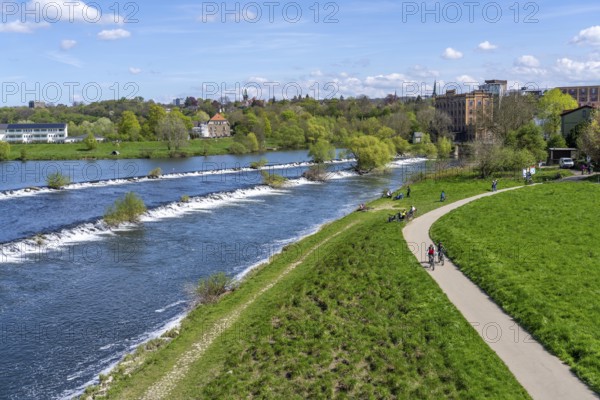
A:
{"points": [[218, 126]]}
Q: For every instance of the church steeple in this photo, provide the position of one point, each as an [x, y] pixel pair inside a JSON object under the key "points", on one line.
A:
{"points": [[434, 89]]}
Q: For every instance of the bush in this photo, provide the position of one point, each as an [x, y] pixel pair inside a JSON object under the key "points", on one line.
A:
{"points": [[90, 142], [23, 155], [209, 289], [57, 180], [127, 209], [155, 173], [273, 180], [185, 198], [258, 164], [237, 148], [4, 151]]}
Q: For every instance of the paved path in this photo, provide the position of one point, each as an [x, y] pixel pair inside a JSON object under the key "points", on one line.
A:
{"points": [[543, 375]]}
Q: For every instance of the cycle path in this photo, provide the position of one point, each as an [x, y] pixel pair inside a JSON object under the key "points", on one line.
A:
{"points": [[542, 374]]}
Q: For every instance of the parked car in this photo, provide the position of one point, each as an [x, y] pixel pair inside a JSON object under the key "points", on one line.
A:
{"points": [[566, 162]]}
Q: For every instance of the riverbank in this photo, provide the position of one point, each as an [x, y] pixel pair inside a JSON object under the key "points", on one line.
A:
{"points": [[350, 301], [126, 150]]}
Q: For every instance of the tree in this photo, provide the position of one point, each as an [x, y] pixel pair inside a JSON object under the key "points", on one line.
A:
{"points": [[321, 151], [370, 153], [589, 139], [172, 129], [129, 126], [90, 142], [444, 146], [103, 127], [4, 151], [155, 114], [252, 141], [530, 137], [510, 113], [556, 140], [552, 104], [268, 130], [201, 116]]}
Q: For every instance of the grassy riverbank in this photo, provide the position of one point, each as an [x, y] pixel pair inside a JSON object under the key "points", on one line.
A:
{"points": [[347, 312], [78, 151], [535, 253]]}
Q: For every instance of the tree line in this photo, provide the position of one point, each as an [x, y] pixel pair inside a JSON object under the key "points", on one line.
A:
{"points": [[376, 129]]}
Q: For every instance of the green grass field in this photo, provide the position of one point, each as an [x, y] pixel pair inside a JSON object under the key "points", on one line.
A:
{"points": [[358, 318], [535, 252], [77, 151]]}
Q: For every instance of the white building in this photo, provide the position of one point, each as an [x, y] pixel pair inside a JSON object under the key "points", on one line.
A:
{"points": [[33, 133], [200, 130]]}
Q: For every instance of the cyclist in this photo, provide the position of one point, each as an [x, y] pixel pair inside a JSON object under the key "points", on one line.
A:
{"points": [[440, 252], [431, 254]]}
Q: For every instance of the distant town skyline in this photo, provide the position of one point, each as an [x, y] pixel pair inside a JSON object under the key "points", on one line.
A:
{"points": [[65, 51]]}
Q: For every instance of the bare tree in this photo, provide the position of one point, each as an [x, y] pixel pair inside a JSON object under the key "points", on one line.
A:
{"points": [[510, 113]]}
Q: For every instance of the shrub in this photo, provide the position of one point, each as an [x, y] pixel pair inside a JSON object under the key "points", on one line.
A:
{"points": [[127, 209], [90, 142], [24, 155], [57, 180], [258, 164], [4, 151], [209, 289], [185, 198], [273, 180], [237, 148], [155, 173]]}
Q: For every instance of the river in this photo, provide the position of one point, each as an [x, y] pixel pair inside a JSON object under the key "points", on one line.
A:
{"points": [[76, 296]]}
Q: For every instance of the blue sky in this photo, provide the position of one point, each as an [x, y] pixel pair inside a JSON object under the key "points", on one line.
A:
{"points": [[60, 51]]}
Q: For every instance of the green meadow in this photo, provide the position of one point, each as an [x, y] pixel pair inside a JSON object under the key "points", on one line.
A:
{"points": [[345, 313], [78, 151], [535, 252]]}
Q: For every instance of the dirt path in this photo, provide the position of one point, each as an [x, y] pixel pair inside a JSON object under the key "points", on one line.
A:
{"points": [[543, 375], [163, 387]]}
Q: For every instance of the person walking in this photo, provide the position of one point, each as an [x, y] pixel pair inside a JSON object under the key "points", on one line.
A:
{"points": [[443, 197], [494, 185], [407, 192]]}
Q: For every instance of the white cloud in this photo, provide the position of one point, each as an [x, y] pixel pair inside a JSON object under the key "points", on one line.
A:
{"points": [[466, 79], [73, 11], [578, 70], [67, 44], [135, 70], [528, 65], [589, 36], [386, 81], [419, 71], [21, 27], [527, 61], [486, 46], [114, 34], [451, 54]]}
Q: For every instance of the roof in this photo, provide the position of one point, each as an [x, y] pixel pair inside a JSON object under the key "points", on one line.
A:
{"points": [[576, 109], [218, 117], [36, 126]]}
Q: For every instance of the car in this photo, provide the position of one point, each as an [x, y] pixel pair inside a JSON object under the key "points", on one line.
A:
{"points": [[566, 162]]}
